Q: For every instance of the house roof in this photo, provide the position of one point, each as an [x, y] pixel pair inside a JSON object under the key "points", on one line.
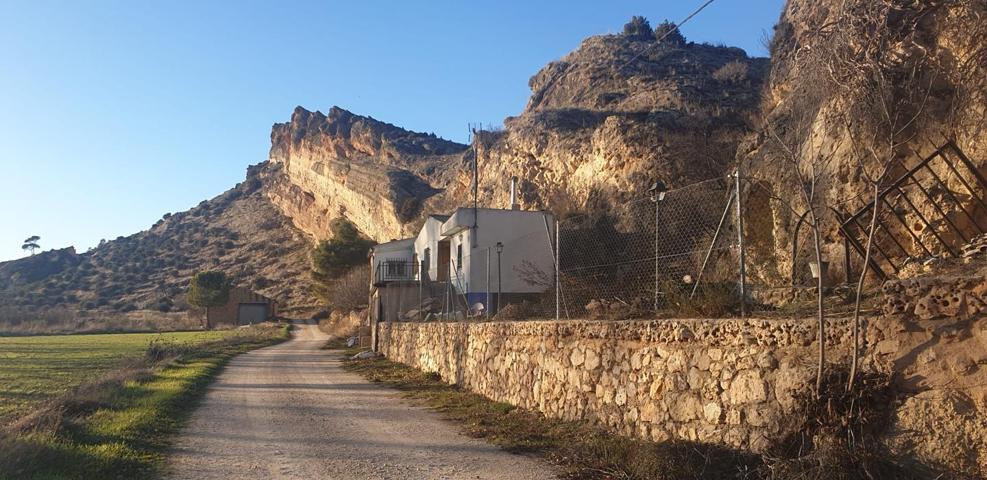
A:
{"points": [[403, 244]]}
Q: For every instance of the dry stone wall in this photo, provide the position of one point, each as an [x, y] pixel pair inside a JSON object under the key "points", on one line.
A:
{"points": [[732, 382]]}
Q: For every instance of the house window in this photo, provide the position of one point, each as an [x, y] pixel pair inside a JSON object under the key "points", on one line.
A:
{"points": [[459, 257]]}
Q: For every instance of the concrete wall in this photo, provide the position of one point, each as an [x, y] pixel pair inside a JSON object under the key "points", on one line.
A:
{"points": [[723, 381]]}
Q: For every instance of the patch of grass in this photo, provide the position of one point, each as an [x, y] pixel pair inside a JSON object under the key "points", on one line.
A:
{"points": [[119, 425], [581, 450], [39, 368]]}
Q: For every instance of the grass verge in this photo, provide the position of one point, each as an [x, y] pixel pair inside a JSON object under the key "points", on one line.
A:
{"points": [[582, 451], [119, 426]]}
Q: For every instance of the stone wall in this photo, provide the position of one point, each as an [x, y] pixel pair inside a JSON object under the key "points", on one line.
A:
{"points": [[732, 382]]}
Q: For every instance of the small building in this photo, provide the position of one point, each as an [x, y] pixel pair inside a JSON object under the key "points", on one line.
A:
{"points": [[499, 251], [393, 282], [459, 264], [244, 307]]}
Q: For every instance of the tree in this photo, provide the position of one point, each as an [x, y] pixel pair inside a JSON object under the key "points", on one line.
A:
{"points": [[31, 244], [889, 76], [209, 289], [668, 32], [333, 258], [638, 28]]}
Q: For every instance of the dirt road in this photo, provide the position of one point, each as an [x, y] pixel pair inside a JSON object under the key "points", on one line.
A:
{"points": [[291, 412]]}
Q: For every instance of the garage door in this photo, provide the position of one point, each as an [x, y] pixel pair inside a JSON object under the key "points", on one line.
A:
{"points": [[250, 313]]}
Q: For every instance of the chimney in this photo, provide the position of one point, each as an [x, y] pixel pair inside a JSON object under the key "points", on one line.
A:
{"points": [[514, 205]]}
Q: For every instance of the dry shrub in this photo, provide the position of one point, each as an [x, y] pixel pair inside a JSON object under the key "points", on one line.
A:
{"points": [[342, 324], [16, 321], [349, 292], [732, 72], [838, 434], [711, 299]]}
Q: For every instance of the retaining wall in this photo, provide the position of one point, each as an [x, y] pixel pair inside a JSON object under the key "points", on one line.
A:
{"points": [[732, 382]]}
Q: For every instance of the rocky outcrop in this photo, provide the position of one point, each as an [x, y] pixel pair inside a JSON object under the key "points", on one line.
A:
{"points": [[343, 165], [848, 79], [603, 123]]}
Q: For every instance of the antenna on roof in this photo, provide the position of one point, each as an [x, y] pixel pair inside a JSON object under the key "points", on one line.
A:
{"points": [[476, 183]]}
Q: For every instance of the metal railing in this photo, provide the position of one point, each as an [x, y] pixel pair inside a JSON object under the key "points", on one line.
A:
{"points": [[931, 209], [395, 271]]}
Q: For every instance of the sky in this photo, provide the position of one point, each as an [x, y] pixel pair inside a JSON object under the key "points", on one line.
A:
{"points": [[115, 112]]}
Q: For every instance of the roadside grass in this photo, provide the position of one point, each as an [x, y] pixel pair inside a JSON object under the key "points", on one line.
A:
{"points": [[119, 424], [581, 450]]}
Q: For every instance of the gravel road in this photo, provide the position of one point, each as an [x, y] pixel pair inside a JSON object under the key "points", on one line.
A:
{"points": [[291, 412]]}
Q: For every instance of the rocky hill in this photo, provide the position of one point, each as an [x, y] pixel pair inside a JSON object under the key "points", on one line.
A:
{"points": [[238, 232], [602, 125]]}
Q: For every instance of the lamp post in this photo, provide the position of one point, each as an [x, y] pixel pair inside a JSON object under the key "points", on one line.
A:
{"points": [[500, 249], [657, 194]]}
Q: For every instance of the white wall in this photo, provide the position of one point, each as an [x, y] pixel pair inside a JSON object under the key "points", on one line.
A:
{"points": [[429, 237], [525, 238]]}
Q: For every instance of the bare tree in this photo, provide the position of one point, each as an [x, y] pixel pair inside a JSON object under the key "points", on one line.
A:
{"points": [[885, 97]]}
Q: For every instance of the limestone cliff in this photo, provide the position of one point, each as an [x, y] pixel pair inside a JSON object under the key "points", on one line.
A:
{"points": [[343, 165], [603, 123], [854, 85]]}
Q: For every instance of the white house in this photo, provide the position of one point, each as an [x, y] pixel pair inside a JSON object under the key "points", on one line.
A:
{"points": [[393, 283], [466, 252], [485, 256]]}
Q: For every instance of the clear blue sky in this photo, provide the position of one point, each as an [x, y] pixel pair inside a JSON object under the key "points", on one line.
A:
{"points": [[115, 112]]}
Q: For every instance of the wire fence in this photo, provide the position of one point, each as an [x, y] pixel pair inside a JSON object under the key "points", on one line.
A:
{"points": [[672, 253], [669, 251]]}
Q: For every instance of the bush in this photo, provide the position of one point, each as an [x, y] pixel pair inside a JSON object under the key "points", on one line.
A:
{"points": [[333, 258], [732, 72], [638, 28], [668, 34], [348, 292]]}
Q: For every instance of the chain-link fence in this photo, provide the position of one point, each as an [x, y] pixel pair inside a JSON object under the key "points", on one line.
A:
{"points": [[671, 251]]}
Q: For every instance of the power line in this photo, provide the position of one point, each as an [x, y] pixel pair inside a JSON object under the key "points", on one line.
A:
{"points": [[674, 28]]}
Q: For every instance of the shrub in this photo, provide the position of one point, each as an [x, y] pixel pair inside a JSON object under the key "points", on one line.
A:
{"points": [[333, 258], [348, 292], [732, 72], [668, 34], [638, 28]]}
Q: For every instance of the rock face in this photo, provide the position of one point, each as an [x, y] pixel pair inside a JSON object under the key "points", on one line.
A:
{"points": [[239, 232], [908, 73], [343, 165], [602, 125]]}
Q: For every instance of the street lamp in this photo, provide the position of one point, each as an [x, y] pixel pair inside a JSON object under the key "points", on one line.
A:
{"points": [[657, 194], [500, 249]]}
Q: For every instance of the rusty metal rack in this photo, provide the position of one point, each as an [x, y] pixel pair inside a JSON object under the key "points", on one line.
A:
{"points": [[954, 221]]}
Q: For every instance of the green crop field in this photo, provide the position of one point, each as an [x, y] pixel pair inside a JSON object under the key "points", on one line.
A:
{"points": [[34, 369]]}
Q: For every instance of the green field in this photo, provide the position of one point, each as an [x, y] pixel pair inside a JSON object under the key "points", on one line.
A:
{"points": [[116, 399], [34, 369]]}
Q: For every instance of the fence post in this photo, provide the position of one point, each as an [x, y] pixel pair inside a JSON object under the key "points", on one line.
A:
{"points": [[558, 278], [421, 280], [487, 309], [740, 245]]}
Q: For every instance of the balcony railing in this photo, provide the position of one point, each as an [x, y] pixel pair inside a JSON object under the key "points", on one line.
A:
{"points": [[395, 271]]}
